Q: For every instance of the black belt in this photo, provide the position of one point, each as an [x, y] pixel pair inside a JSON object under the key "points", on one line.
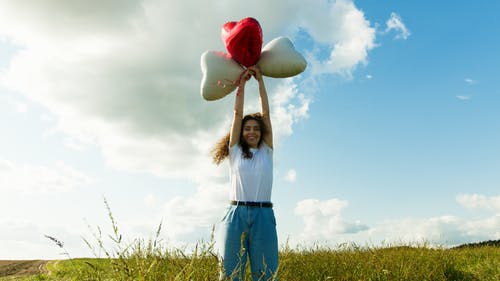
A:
{"points": [[252, 204]]}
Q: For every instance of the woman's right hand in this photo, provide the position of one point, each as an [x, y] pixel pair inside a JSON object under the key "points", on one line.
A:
{"points": [[245, 76]]}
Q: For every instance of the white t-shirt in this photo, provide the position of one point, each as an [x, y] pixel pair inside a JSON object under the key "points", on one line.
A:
{"points": [[251, 179]]}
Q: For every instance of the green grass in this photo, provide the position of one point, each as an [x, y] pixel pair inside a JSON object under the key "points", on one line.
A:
{"points": [[393, 263], [347, 263], [150, 260]]}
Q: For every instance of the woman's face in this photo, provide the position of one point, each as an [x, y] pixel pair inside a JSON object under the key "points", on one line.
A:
{"points": [[251, 133]]}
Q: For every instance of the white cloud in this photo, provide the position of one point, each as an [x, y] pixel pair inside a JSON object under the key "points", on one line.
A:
{"points": [[289, 107], [478, 201], [21, 107], [395, 23], [291, 176], [17, 105], [34, 179], [470, 81], [462, 97], [343, 30], [62, 18], [125, 75], [441, 231], [323, 219], [323, 222], [150, 200], [25, 240], [184, 215]]}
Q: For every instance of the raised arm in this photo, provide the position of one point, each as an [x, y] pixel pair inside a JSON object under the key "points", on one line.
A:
{"points": [[234, 136], [264, 103]]}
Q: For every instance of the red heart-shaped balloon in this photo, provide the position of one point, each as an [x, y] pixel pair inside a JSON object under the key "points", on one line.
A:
{"points": [[243, 40]]}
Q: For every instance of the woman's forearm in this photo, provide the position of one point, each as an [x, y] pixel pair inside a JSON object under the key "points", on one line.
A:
{"points": [[264, 100], [239, 99], [266, 117]]}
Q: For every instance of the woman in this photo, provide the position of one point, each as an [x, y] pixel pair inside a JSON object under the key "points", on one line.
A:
{"points": [[249, 226]]}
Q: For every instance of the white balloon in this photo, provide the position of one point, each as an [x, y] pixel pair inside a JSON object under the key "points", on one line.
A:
{"points": [[220, 75], [279, 59]]}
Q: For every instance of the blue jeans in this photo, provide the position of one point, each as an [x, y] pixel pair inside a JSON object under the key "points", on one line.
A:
{"points": [[248, 231]]}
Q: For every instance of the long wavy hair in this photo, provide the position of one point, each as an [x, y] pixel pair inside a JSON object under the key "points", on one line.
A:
{"points": [[221, 149]]}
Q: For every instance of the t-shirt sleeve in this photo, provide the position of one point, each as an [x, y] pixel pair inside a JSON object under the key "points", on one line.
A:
{"points": [[267, 149]]}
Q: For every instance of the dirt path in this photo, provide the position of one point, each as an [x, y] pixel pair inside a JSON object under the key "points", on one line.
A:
{"points": [[22, 267]]}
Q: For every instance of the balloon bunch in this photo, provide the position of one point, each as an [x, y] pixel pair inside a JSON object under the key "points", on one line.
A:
{"points": [[243, 41]]}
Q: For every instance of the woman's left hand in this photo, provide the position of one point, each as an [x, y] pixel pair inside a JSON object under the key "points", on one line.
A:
{"points": [[256, 72]]}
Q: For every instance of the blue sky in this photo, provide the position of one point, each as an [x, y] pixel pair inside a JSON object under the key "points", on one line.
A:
{"points": [[392, 133]]}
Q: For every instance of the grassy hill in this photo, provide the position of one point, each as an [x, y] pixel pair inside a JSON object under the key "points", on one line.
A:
{"points": [[142, 261]]}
